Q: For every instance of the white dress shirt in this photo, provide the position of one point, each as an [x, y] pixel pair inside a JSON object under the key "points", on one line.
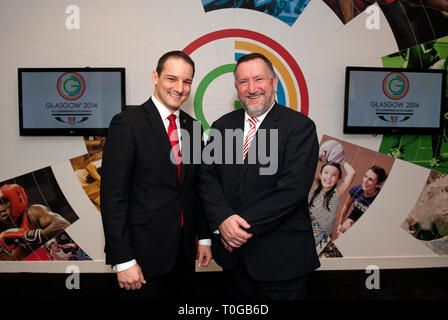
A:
{"points": [[257, 125], [164, 114]]}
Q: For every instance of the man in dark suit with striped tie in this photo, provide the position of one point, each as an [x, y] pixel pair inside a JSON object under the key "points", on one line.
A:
{"points": [[265, 241]]}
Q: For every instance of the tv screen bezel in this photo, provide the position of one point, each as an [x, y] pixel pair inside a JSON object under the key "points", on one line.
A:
{"points": [[391, 130], [68, 131]]}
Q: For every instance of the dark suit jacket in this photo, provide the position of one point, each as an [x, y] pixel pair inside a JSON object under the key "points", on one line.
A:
{"points": [[275, 206], [141, 196]]}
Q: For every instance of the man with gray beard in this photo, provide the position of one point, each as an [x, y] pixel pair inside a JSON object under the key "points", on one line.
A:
{"points": [[261, 221]]}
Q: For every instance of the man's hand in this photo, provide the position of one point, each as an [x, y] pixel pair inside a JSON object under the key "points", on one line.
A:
{"points": [[231, 232], [226, 245], [204, 255], [131, 279]]}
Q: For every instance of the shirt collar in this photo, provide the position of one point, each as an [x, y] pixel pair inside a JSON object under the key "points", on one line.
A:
{"points": [[260, 118], [163, 111]]}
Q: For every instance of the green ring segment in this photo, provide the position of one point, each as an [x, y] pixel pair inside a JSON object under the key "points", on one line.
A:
{"points": [[200, 91], [77, 86]]}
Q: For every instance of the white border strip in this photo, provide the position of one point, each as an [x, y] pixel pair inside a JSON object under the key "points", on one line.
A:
{"points": [[327, 264]]}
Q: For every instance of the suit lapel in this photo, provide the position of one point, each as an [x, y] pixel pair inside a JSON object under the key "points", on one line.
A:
{"points": [[156, 124], [187, 125], [240, 169], [271, 119]]}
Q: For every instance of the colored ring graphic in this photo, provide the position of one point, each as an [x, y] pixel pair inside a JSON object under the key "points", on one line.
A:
{"points": [[395, 85], [200, 91], [252, 35], [77, 81]]}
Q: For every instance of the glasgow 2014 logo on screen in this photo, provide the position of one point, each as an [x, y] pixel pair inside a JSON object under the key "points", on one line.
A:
{"points": [[71, 85], [395, 85]]}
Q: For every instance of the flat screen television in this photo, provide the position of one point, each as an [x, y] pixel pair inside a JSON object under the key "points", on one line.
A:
{"points": [[69, 101], [393, 101]]}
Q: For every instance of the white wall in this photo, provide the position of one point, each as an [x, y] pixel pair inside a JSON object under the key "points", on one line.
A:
{"points": [[133, 34]]}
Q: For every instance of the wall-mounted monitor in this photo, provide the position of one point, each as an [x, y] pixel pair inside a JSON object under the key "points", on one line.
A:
{"points": [[69, 101], [393, 101]]}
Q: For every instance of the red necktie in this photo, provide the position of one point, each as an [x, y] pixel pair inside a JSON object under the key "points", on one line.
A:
{"points": [[174, 140], [250, 135]]}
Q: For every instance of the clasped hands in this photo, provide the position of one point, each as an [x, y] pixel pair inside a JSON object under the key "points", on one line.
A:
{"points": [[232, 234]]}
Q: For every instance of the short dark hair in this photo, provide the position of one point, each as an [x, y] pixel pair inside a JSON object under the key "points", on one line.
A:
{"points": [[253, 56], [380, 173], [173, 54]]}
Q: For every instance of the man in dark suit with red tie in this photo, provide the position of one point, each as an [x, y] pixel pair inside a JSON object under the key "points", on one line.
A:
{"points": [[149, 201], [266, 244]]}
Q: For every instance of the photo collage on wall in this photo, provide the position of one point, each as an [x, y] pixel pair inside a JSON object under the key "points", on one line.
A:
{"points": [[33, 213], [63, 248], [348, 179], [285, 10], [88, 168], [412, 22], [346, 10], [340, 197], [428, 219]]}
